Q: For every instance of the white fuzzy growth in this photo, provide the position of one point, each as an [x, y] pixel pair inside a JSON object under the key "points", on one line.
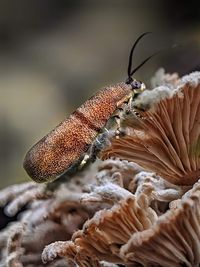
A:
{"points": [[107, 264], [161, 189], [163, 78], [52, 251], [22, 199], [192, 78], [107, 192], [10, 193], [150, 97]]}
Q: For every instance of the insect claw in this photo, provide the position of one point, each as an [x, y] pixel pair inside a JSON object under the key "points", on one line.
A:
{"points": [[84, 161], [97, 140], [106, 130], [130, 102], [118, 121]]}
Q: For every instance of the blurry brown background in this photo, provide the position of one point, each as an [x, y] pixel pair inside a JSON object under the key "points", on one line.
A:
{"points": [[56, 54]]}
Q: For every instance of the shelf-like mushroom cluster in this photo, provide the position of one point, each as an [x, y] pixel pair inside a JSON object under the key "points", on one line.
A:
{"points": [[166, 138], [139, 207]]}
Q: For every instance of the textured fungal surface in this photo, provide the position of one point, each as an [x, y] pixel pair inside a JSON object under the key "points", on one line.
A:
{"points": [[129, 215], [173, 240], [139, 206], [165, 138]]}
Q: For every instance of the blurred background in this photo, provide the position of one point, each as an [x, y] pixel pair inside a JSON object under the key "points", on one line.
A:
{"points": [[56, 54]]}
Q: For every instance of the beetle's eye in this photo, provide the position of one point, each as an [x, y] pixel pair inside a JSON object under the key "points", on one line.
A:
{"points": [[136, 85]]}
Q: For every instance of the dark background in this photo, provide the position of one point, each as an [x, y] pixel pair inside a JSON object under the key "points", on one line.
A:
{"points": [[56, 54]]}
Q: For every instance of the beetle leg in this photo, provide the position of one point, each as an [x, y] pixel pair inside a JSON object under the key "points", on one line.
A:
{"points": [[130, 102], [84, 160], [117, 121], [100, 143]]}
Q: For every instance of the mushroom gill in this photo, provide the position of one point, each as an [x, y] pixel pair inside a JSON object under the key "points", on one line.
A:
{"points": [[102, 236], [173, 241], [165, 138]]}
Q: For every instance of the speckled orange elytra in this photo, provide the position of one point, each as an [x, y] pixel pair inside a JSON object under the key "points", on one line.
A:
{"points": [[60, 149]]}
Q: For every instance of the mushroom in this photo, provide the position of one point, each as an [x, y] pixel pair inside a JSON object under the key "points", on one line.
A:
{"points": [[119, 212], [173, 241], [102, 236], [166, 138]]}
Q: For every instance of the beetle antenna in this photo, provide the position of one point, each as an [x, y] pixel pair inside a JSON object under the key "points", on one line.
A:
{"points": [[143, 62], [154, 54], [131, 53], [130, 73]]}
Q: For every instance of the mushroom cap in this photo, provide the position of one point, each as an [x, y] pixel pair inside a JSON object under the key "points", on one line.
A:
{"points": [[104, 234], [173, 241], [166, 138], [108, 230]]}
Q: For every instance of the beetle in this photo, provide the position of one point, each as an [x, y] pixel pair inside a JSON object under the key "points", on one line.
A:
{"points": [[65, 145]]}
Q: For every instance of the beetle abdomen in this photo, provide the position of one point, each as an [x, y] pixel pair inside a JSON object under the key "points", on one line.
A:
{"points": [[63, 146]]}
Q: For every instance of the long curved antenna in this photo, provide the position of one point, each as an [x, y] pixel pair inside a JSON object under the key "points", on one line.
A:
{"points": [[143, 62], [154, 54], [131, 53], [130, 73]]}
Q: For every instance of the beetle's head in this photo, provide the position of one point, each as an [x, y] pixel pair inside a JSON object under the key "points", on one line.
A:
{"points": [[137, 86]]}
